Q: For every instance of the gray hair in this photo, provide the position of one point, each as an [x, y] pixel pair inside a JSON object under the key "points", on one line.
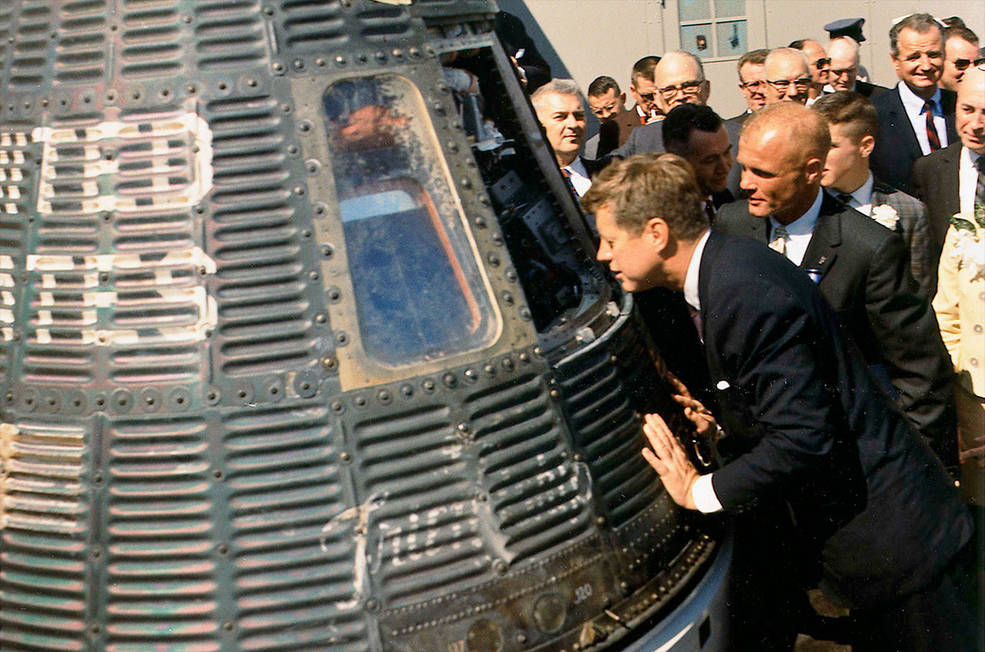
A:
{"points": [[920, 23], [556, 87]]}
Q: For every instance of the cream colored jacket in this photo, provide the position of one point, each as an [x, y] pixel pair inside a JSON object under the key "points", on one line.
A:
{"points": [[960, 304]]}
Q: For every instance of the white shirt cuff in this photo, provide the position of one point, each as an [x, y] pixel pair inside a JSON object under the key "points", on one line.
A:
{"points": [[703, 494]]}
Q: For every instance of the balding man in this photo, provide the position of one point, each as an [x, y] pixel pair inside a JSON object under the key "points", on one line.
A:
{"points": [[860, 266], [916, 117], [679, 79], [818, 64], [817, 464], [788, 77], [947, 180], [843, 74], [960, 300], [752, 82]]}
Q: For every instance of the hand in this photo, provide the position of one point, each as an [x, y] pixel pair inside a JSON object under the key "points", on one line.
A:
{"points": [[702, 418], [670, 461]]}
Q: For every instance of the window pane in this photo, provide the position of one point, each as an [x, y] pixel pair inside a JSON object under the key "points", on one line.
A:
{"points": [[694, 9], [729, 8], [731, 38], [696, 39], [419, 294]]}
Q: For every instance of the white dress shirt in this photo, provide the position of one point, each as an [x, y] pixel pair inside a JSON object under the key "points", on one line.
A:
{"points": [[579, 176], [800, 231], [862, 197], [913, 104], [702, 491], [967, 180]]}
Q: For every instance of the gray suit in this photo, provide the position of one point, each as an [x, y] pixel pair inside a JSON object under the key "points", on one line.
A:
{"points": [[914, 227]]}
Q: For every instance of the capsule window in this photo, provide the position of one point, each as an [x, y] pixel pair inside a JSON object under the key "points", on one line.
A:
{"points": [[419, 292]]}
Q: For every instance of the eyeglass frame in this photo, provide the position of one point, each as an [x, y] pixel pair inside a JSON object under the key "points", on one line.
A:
{"points": [[690, 87], [781, 85], [754, 84], [963, 64], [822, 62]]}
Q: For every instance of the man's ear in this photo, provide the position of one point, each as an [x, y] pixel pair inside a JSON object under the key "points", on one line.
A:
{"points": [[622, 97], [657, 232], [866, 145], [705, 91], [813, 169]]}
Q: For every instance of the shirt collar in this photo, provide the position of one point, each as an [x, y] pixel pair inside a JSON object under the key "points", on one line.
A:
{"points": [[577, 167], [804, 224], [968, 157], [691, 279], [913, 103]]}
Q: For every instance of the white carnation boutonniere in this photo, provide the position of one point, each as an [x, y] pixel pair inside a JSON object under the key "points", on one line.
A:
{"points": [[886, 215], [969, 246]]}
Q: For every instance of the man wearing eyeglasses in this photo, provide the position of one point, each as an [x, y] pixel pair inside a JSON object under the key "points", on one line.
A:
{"points": [[788, 77], [752, 82], [818, 64], [916, 117], [679, 79], [960, 52], [644, 91], [843, 75]]}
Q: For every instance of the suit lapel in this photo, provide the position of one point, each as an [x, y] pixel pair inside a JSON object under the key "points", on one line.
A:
{"points": [[822, 250], [904, 127], [951, 159]]}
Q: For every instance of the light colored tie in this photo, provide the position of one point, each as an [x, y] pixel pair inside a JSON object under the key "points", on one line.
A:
{"points": [[779, 241]]}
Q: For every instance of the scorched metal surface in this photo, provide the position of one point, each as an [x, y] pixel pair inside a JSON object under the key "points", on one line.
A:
{"points": [[303, 346]]}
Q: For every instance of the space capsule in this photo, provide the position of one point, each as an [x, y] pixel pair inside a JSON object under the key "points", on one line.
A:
{"points": [[305, 349]]}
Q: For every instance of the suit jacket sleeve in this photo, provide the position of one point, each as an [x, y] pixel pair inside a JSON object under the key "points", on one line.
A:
{"points": [[910, 343], [769, 354]]}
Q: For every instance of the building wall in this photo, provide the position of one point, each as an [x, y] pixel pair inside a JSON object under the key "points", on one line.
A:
{"points": [[586, 38]]}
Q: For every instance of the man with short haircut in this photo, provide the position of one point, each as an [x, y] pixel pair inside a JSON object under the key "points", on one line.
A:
{"points": [[916, 117], [559, 108], [752, 82], [697, 134], [947, 180], [788, 77], [817, 465], [680, 79], [960, 52], [819, 66], [843, 74], [853, 124], [644, 91], [616, 122], [859, 266]]}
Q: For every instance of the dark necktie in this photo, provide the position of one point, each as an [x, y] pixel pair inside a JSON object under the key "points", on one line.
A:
{"points": [[696, 318], [710, 210], [932, 137], [980, 186], [845, 198]]}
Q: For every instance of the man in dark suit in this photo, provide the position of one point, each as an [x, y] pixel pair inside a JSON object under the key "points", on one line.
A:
{"points": [[916, 117], [853, 124], [874, 518], [843, 75], [947, 180], [697, 134], [860, 266]]}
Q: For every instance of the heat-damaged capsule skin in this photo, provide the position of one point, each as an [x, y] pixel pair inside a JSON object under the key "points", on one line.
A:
{"points": [[304, 347]]}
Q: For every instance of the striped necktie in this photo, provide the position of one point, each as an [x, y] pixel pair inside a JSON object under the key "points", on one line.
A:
{"points": [[932, 137]]}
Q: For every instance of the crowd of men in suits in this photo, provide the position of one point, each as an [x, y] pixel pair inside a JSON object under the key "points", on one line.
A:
{"points": [[845, 384]]}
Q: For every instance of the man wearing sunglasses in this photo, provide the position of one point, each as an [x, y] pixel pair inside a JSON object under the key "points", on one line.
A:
{"points": [[818, 64], [788, 77], [960, 52]]}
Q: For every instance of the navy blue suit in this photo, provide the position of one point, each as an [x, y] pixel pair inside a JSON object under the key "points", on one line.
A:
{"points": [[806, 423]]}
